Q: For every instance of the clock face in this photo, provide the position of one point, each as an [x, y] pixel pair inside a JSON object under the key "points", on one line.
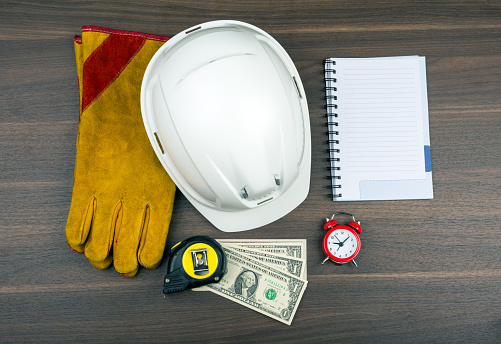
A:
{"points": [[341, 244]]}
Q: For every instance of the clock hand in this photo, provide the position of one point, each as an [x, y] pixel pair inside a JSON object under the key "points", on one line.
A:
{"points": [[345, 239], [341, 243]]}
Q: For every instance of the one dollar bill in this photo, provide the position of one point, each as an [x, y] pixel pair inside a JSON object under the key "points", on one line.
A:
{"points": [[285, 247], [259, 286], [291, 265]]}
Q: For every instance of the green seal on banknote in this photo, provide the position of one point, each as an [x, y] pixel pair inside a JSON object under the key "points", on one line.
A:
{"points": [[270, 294]]}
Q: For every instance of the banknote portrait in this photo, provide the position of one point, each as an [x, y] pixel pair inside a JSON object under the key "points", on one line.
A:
{"points": [[246, 283]]}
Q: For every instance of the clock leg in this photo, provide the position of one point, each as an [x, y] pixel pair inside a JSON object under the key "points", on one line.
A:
{"points": [[353, 261]]}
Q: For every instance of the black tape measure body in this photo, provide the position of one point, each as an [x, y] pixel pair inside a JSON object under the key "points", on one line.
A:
{"points": [[194, 262]]}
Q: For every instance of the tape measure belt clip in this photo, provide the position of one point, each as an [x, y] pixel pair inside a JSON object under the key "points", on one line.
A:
{"points": [[200, 263]]}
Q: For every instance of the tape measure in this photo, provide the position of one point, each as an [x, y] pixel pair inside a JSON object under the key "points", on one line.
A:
{"points": [[194, 262]]}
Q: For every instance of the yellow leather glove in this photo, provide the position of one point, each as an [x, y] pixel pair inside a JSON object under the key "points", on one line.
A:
{"points": [[122, 197]]}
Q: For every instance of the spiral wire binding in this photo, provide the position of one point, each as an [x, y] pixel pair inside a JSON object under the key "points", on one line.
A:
{"points": [[331, 107]]}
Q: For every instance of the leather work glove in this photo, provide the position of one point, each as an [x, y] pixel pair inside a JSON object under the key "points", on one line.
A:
{"points": [[122, 197]]}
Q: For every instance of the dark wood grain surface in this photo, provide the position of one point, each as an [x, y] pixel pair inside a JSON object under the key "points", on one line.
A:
{"points": [[429, 270]]}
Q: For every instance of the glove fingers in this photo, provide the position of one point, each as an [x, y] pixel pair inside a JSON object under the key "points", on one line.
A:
{"points": [[104, 264], [79, 223], [99, 243], [154, 236], [126, 242]]}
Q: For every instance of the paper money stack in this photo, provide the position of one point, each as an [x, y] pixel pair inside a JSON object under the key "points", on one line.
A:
{"points": [[268, 276]]}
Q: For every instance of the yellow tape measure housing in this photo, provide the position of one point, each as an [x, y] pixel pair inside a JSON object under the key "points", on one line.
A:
{"points": [[194, 262], [200, 260]]}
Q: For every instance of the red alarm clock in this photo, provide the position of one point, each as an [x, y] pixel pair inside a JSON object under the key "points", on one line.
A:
{"points": [[341, 243]]}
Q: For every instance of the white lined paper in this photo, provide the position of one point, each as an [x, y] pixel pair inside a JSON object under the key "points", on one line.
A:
{"points": [[381, 122]]}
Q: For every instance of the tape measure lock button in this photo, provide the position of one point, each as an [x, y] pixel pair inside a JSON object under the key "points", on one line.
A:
{"points": [[194, 262]]}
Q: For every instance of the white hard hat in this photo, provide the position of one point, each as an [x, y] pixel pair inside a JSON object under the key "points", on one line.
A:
{"points": [[226, 114]]}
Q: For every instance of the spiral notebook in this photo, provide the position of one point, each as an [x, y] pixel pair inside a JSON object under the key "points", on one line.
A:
{"points": [[377, 119]]}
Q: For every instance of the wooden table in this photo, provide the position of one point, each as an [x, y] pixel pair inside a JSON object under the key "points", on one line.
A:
{"points": [[429, 270]]}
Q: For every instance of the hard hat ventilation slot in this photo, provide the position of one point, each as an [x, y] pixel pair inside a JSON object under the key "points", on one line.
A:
{"points": [[159, 144], [266, 200], [297, 87], [193, 30]]}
